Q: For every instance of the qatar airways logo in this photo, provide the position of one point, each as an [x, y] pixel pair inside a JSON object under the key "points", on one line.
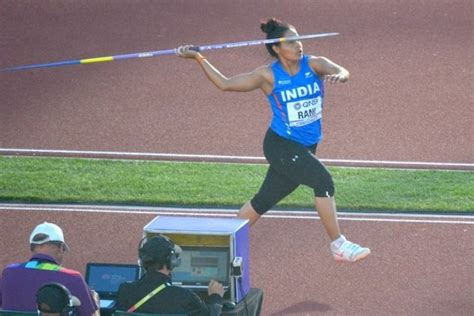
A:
{"points": [[303, 91]]}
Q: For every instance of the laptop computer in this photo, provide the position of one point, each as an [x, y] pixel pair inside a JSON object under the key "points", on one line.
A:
{"points": [[105, 279]]}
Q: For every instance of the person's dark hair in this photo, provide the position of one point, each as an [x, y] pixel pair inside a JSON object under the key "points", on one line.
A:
{"points": [[55, 298], [40, 237], [150, 265], [158, 252], [36, 238], [155, 261], [274, 28]]}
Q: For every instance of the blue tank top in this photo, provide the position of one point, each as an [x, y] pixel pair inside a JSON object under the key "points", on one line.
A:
{"points": [[297, 103]]}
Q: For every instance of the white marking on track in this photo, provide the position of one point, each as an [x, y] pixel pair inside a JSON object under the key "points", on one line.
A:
{"points": [[139, 155], [305, 215]]}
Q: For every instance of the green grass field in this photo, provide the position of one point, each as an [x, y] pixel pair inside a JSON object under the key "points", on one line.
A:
{"points": [[137, 182]]}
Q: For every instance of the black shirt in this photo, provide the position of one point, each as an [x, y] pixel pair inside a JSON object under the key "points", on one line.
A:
{"points": [[172, 299]]}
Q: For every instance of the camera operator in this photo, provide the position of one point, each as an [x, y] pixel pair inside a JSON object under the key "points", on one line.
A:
{"points": [[154, 293]]}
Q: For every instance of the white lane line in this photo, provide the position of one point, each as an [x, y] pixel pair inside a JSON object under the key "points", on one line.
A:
{"points": [[126, 154], [380, 220], [201, 212], [412, 164], [154, 209]]}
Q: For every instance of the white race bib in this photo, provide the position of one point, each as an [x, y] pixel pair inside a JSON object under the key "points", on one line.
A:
{"points": [[304, 112]]}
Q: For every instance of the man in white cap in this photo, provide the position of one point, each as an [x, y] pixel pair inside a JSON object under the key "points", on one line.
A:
{"points": [[20, 281]]}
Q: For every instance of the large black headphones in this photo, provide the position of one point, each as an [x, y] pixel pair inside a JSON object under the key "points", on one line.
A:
{"points": [[149, 251], [64, 298]]}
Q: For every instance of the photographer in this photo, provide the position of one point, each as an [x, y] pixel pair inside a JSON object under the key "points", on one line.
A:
{"points": [[154, 293]]}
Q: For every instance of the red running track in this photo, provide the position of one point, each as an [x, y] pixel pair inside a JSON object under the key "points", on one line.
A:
{"points": [[409, 98], [418, 266]]}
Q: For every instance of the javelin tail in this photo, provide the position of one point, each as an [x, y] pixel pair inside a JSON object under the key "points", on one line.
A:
{"points": [[165, 52]]}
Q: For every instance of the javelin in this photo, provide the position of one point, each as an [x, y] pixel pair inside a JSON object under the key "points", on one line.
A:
{"points": [[166, 52]]}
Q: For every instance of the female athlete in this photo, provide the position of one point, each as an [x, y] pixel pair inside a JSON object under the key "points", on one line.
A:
{"points": [[293, 85]]}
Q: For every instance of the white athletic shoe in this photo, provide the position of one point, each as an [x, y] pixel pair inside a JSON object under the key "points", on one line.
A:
{"points": [[344, 250]]}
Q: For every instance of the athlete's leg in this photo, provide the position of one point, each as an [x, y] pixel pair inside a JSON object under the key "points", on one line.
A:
{"points": [[276, 185], [300, 165], [248, 212], [317, 176], [341, 248], [326, 208], [274, 188], [320, 180]]}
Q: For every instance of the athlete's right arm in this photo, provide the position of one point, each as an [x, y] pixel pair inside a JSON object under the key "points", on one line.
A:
{"points": [[259, 78]]}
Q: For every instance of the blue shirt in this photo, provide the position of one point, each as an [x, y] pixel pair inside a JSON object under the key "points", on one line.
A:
{"points": [[297, 103], [20, 282]]}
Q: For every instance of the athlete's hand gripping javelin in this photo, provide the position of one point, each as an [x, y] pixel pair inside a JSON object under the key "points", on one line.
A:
{"points": [[186, 51]]}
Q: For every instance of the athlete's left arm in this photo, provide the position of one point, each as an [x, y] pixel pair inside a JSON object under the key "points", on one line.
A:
{"points": [[328, 69]]}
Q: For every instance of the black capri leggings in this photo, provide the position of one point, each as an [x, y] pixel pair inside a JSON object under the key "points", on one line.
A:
{"points": [[291, 164]]}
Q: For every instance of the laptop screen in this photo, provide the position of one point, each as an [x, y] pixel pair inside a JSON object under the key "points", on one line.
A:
{"points": [[105, 278], [201, 264]]}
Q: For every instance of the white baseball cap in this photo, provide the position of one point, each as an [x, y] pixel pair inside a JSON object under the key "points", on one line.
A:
{"points": [[52, 231]]}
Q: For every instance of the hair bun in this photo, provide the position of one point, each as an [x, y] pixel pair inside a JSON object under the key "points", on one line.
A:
{"points": [[270, 25]]}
